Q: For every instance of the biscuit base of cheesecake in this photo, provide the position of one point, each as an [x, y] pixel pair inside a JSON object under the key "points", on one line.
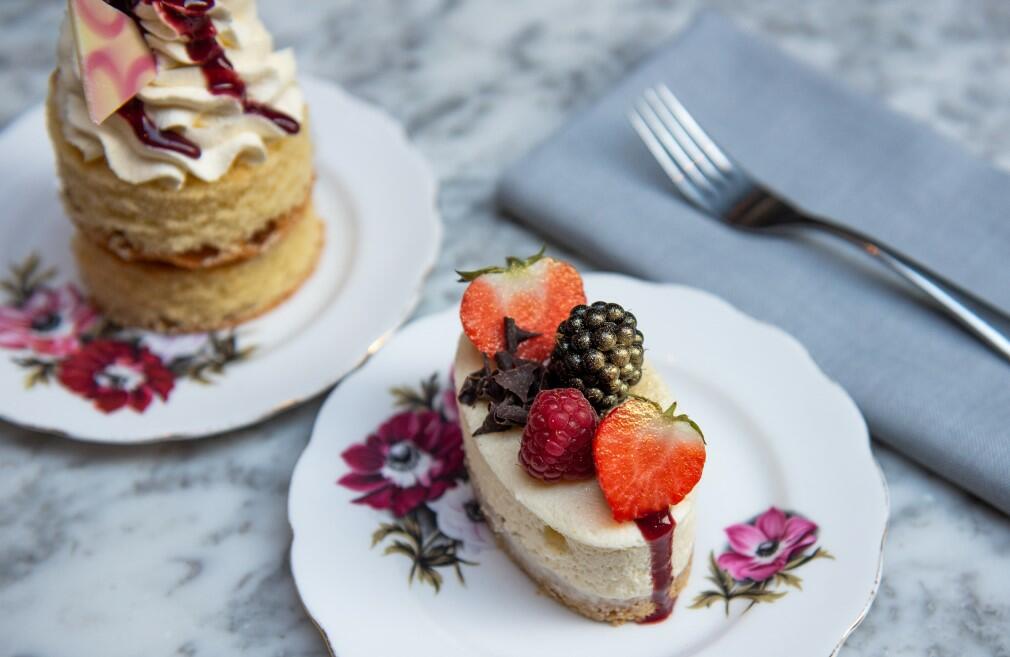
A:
{"points": [[200, 224], [170, 299], [615, 612]]}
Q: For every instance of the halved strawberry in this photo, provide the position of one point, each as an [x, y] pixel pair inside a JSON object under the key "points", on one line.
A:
{"points": [[647, 460], [538, 293]]}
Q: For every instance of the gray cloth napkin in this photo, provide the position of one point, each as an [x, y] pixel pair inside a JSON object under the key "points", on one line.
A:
{"points": [[926, 387]]}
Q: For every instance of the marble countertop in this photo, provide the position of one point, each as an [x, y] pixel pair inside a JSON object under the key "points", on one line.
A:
{"points": [[182, 549]]}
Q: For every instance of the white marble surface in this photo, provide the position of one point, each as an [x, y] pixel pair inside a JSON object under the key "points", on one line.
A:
{"points": [[182, 549]]}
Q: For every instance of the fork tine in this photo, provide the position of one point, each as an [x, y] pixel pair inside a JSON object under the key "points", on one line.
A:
{"points": [[705, 143], [680, 181], [672, 145], [698, 159]]}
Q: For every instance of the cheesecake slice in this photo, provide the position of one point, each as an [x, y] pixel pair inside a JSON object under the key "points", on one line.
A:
{"points": [[563, 535]]}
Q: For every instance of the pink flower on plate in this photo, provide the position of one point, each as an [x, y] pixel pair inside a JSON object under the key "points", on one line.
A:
{"points": [[50, 322], [761, 549], [412, 458]]}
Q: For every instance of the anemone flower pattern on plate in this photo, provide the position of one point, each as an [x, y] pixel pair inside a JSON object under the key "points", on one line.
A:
{"points": [[411, 467], [760, 562], [55, 336]]}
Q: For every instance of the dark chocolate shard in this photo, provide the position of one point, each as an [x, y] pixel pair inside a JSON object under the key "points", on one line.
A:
{"points": [[514, 336], [508, 412], [509, 388], [505, 360], [491, 425], [471, 390], [520, 379]]}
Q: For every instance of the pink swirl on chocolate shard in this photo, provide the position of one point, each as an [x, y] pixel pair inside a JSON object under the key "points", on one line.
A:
{"points": [[125, 79], [107, 29], [116, 62]]}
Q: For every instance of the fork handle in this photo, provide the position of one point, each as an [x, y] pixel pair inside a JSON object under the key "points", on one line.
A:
{"points": [[974, 313]]}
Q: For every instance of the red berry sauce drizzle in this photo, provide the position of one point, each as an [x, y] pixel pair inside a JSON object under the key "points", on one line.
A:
{"points": [[657, 530], [190, 19], [150, 134]]}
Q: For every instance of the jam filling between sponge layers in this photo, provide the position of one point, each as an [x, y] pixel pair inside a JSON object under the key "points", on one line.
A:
{"points": [[190, 19]]}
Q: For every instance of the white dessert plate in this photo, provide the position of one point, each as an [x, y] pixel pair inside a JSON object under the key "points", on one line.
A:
{"points": [[788, 455], [61, 372]]}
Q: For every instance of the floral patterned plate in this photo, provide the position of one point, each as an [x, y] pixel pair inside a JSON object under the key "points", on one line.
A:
{"points": [[65, 370], [792, 508]]}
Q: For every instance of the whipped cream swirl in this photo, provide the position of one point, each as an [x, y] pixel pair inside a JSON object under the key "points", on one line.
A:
{"points": [[179, 100]]}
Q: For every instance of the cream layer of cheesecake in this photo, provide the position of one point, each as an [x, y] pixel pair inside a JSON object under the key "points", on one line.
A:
{"points": [[565, 529]]}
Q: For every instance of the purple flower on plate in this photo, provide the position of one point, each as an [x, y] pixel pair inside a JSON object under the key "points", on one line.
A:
{"points": [[459, 517], [412, 458], [761, 549]]}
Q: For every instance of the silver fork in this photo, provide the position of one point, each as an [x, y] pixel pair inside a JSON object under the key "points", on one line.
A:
{"points": [[710, 180]]}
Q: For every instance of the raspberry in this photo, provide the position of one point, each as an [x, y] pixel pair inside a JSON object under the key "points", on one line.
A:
{"points": [[558, 438]]}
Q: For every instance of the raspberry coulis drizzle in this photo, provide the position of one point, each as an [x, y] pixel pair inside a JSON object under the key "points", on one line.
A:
{"points": [[657, 530], [190, 19], [150, 134]]}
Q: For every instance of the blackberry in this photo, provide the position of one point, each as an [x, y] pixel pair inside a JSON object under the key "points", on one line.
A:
{"points": [[598, 351]]}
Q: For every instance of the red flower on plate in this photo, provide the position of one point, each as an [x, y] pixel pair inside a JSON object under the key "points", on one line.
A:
{"points": [[116, 374], [50, 322], [412, 458]]}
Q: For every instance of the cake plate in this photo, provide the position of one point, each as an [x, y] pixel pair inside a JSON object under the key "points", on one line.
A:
{"points": [[377, 197], [386, 541]]}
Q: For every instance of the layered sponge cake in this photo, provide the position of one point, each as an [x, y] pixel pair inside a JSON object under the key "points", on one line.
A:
{"points": [[583, 467], [193, 198], [162, 296]]}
